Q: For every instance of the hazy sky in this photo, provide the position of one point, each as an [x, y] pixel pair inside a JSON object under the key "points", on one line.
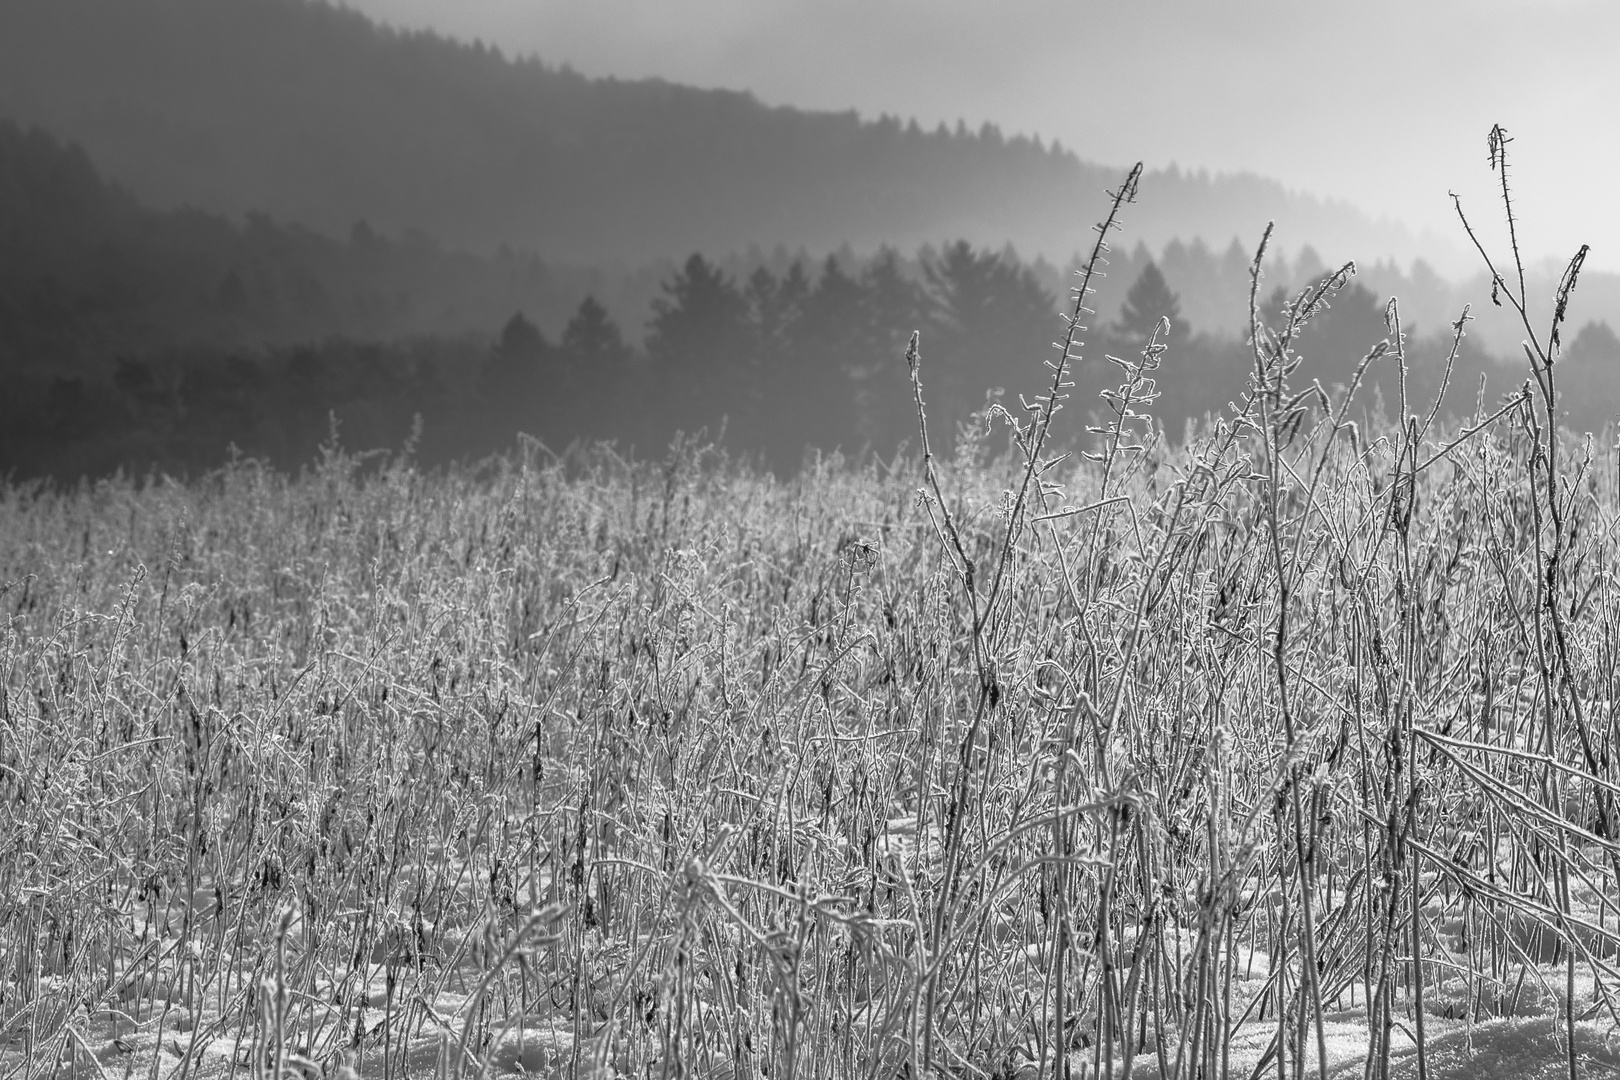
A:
{"points": [[1385, 103]]}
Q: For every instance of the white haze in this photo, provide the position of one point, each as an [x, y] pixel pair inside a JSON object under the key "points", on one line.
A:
{"points": [[1384, 103]]}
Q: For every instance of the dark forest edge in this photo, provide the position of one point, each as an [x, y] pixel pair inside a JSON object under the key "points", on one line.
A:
{"points": [[144, 341], [771, 366]]}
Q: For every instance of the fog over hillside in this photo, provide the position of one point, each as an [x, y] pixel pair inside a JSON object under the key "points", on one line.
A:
{"points": [[511, 569], [226, 222], [316, 115]]}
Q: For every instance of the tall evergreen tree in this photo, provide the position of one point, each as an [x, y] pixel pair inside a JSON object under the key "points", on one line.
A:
{"points": [[1588, 388], [831, 324], [593, 343], [699, 346], [809, 400], [1147, 301], [517, 364], [597, 381], [775, 306], [1595, 342], [894, 304], [776, 310], [521, 341], [519, 383], [994, 323]]}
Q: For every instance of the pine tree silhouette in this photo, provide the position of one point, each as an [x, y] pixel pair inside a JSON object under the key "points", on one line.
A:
{"points": [[894, 304], [1147, 300], [699, 346], [521, 341], [516, 375], [596, 390], [992, 328], [594, 346], [1596, 341]]}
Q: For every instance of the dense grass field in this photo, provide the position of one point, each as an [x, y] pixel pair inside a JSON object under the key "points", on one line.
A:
{"points": [[1284, 750]]}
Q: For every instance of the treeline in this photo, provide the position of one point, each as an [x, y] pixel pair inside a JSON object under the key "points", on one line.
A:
{"points": [[141, 339], [88, 274], [190, 102], [772, 364]]}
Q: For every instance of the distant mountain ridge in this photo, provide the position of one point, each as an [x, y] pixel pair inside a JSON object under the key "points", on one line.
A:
{"points": [[88, 275], [314, 114]]}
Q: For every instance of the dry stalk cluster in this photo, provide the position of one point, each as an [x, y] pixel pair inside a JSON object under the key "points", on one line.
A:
{"points": [[1177, 761]]}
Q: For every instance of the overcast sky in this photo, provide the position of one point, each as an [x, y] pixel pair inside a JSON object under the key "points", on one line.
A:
{"points": [[1385, 103]]}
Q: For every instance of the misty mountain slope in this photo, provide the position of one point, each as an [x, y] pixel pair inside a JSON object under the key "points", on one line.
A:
{"points": [[316, 115], [88, 274]]}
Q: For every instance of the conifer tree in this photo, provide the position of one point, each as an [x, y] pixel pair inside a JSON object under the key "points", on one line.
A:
{"points": [[992, 327], [597, 390], [521, 341], [699, 346], [894, 304], [593, 343], [1148, 299]]}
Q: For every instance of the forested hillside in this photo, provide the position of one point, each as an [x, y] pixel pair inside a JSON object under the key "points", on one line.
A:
{"points": [[87, 273], [313, 114], [510, 574], [135, 338], [139, 338]]}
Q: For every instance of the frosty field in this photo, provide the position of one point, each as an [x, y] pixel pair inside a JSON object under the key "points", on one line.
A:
{"points": [[1284, 749]]}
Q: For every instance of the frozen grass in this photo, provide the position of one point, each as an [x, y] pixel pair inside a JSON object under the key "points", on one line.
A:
{"points": [[1285, 751]]}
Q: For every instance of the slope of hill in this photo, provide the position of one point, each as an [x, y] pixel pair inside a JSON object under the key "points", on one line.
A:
{"points": [[87, 274], [314, 114]]}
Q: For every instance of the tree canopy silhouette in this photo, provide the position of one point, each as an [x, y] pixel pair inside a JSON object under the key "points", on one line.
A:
{"points": [[1147, 300], [593, 342], [994, 323], [698, 343]]}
